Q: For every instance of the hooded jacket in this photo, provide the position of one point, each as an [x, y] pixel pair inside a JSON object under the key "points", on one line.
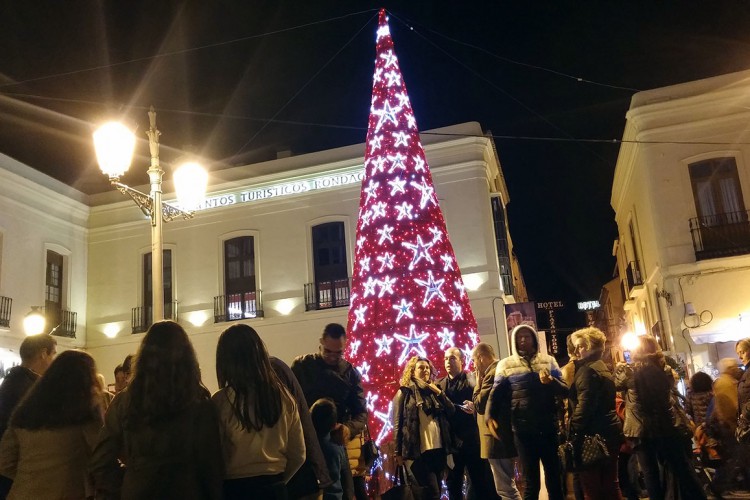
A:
{"points": [[532, 406]]}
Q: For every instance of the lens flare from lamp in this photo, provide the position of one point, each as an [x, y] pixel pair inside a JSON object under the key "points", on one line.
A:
{"points": [[629, 341], [190, 181], [111, 330], [34, 323], [114, 144], [285, 306]]}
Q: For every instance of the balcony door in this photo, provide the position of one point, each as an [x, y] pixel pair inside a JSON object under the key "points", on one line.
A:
{"points": [[147, 287], [239, 278], [53, 289], [717, 192]]}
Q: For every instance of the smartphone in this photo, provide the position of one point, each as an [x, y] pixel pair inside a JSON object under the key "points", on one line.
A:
{"points": [[628, 358]]}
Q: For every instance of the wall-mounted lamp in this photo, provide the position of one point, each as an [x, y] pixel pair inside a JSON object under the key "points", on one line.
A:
{"points": [[34, 322]]}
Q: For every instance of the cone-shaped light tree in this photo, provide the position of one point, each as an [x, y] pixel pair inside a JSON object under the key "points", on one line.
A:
{"points": [[407, 294]]}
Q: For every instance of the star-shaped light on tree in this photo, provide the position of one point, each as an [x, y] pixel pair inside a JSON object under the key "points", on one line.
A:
{"points": [[432, 288], [404, 309], [421, 251], [384, 345], [412, 343], [446, 338]]}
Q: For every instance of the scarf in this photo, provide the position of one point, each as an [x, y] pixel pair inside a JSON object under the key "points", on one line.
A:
{"points": [[426, 400]]}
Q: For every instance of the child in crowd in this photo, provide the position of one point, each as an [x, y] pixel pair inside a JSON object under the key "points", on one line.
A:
{"points": [[324, 417]]}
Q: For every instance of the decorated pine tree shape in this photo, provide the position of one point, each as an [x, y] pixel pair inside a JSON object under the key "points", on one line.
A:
{"points": [[407, 294]]}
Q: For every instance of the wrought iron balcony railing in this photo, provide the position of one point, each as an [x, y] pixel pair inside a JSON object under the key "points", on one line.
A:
{"points": [[64, 323], [633, 273], [141, 318], [721, 235], [327, 294], [507, 282], [5, 305], [240, 305]]}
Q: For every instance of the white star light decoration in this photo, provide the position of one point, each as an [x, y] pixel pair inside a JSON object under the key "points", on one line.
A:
{"points": [[418, 164], [370, 285], [364, 265], [401, 139], [359, 316], [404, 309], [385, 234], [382, 31], [397, 186], [446, 338], [397, 162], [404, 211], [384, 345], [378, 210], [426, 191], [371, 190], [354, 346], [387, 420], [386, 114], [457, 311], [447, 262], [421, 251], [386, 260], [394, 78], [466, 351], [390, 59], [432, 288], [403, 99], [411, 343], [378, 164], [386, 286], [370, 400], [375, 142], [364, 370]]}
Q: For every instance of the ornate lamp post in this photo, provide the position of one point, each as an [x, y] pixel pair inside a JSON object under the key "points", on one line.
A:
{"points": [[114, 144]]}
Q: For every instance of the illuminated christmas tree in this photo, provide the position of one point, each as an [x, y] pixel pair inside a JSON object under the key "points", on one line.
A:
{"points": [[407, 294]]}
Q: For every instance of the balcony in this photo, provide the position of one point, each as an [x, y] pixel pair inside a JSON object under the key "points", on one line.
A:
{"points": [[5, 306], [141, 317], [633, 274], [327, 294], [240, 305], [721, 235], [64, 323]]}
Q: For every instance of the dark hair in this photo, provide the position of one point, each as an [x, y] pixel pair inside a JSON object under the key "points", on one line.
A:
{"points": [[119, 369], [127, 364], [33, 345], [62, 397], [166, 379], [242, 364], [334, 331], [701, 382], [324, 416]]}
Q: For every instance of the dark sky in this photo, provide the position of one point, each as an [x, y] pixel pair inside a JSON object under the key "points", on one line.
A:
{"points": [[237, 81]]}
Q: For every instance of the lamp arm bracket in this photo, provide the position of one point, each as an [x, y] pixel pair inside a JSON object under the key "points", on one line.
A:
{"points": [[144, 201], [170, 212]]}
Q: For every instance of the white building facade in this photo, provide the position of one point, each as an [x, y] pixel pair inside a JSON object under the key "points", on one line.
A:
{"points": [[272, 246], [679, 191]]}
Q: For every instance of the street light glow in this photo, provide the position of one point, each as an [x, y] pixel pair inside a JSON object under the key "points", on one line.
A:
{"points": [[114, 144], [190, 181], [34, 322]]}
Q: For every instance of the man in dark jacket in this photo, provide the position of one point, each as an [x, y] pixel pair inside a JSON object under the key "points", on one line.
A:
{"points": [[529, 383], [459, 387], [326, 374], [37, 353], [500, 453]]}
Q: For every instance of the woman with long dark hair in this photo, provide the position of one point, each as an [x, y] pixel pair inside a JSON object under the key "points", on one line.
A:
{"points": [[162, 426], [420, 425], [53, 430], [261, 432]]}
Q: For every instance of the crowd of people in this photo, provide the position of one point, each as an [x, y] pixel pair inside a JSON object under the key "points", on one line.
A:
{"points": [[273, 431]]}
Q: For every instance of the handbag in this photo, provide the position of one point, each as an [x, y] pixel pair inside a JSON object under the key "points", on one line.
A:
{"points": [[404, 488], [742, 433], [593, 450], [566, 456], [370, 450]]}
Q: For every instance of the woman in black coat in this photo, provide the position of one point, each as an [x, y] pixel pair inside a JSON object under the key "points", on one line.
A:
{"points": [[592, 400], [420, 425]]}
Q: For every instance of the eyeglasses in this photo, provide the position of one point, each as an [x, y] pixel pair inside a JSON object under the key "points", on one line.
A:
{"points": [[332, 354]]}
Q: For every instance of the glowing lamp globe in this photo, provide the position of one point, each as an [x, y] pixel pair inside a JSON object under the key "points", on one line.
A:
{"points": [[114, 144], [34, 323], [190, 182]]}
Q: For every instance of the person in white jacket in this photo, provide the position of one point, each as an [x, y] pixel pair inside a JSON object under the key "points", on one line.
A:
{"points": [[261, 432]]}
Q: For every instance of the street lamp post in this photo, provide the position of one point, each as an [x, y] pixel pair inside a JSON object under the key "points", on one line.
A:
{"points": [[114, 145]]}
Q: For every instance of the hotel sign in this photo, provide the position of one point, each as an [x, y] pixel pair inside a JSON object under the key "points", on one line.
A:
{"points": [[286, 188]]}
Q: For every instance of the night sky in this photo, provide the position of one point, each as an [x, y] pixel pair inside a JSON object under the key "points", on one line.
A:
{"points": [[238, 81]]}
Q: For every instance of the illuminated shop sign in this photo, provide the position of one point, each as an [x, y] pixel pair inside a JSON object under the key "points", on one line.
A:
{"points": [[276, 190], [588, 305]]}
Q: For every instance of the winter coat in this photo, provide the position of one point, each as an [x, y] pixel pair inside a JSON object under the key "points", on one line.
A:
{"points": [[534, 407], [592, 401], [647, 414], [48, 463], [406, 422], [16, 384], [176, 459], [696, 406], [342, 384], [743, 387], [463, 425], [725, 402], [489, 446]]}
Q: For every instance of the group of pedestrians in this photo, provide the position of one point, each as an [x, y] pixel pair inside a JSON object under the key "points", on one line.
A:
{"points": [[164, 436]]}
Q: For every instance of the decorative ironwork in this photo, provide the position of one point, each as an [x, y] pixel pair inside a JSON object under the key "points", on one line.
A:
{"points": [[236, 306], [141, 318], [68, 323], [146, 204], [327, 294], [721, 235], [5, 306], [633, 273]]}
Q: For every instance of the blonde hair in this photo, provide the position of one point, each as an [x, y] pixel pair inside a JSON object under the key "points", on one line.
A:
{"points": [[592, 337], [744, 343], [411, 365]]}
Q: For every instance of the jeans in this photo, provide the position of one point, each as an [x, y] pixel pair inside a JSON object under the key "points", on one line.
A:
{"points": [[503, 472], [533, 448], [428, 471], [670, 454]]}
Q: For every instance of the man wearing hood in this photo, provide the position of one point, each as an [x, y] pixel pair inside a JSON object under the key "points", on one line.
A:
{"points": [[527, 385]]}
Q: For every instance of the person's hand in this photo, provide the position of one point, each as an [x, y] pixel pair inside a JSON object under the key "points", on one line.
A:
{"points": [[421, 383], [340, 434], [468, 407], [544, 376], [493, 427]]}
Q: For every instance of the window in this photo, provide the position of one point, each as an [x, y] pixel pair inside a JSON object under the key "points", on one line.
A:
{"points": [[501, 243], [330, 268], [53, 289], [241, 295], [717, 192], [147, 287]]}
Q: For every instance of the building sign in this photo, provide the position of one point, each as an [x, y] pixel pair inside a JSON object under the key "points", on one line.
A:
{"points": [[550, 307], [589, 305], [268, 191]]}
